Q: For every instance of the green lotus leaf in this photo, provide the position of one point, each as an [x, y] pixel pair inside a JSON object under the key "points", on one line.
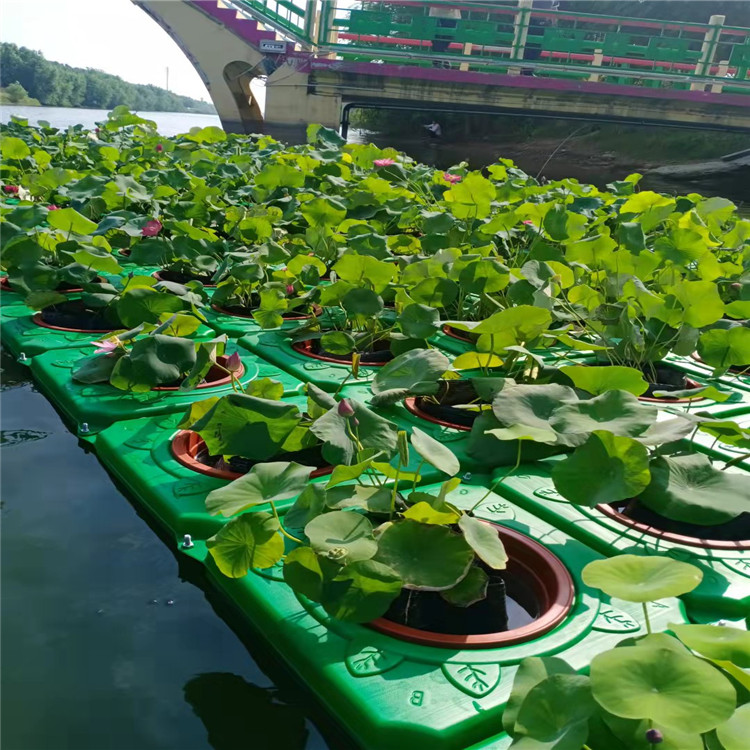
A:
{"points": [[555, 712], [339, 445], [362, 302], [598, 380], [605, 469], [14, 148], [472, 588], [725, 347], [483, 538], [339, 343], [270, 482], [364, 271], [641, 579], [618, 412], [531, 671], [410, 368], [419, 321], [248, 542], [530, 405], [724, 643], [426, 512], [690, 488], [310, 503], [435, 292], [734, 732], [435, 453], [426, 557], [672, 689], [246, 425], [361, 592], [342, 536]]}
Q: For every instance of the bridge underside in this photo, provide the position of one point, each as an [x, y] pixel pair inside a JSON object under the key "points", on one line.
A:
{"points": [[229, 50], [478, 92]]}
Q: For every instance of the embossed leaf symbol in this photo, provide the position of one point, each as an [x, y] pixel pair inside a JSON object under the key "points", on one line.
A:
{"points": [[475, 679], [367, 660]]}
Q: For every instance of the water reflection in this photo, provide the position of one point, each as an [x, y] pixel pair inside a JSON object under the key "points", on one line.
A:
{"points": [[14, 437], [239, 714]]}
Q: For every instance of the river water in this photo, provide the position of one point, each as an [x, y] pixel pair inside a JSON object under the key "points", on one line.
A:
{"points": [[107, 643]]}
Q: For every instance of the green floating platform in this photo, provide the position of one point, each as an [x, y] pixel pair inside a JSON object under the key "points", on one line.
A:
{"points": [[91, 408], [329, 376], [723, 451], [725, 589], [698, 369], [390, 693], [738, 403], [24, 338], [138, 452]]}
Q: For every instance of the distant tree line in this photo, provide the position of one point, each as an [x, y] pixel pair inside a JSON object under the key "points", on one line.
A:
{"points": [[58, 85]]}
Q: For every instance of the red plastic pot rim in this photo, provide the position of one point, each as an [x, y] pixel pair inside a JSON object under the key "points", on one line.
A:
{"points": [[668, 536], [552, 584], [186, 445], [689, 383], [411, 405], [456, 333], [736, 369], [37, 318], [157, 276], [215, 377], [305, 348], [249, 316]]}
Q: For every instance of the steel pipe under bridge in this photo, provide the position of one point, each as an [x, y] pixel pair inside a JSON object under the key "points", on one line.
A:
{"points": [[321, 58]]}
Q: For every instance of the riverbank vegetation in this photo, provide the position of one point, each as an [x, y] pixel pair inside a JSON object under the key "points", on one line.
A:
{"points": [[17, 94], [56, 85]]}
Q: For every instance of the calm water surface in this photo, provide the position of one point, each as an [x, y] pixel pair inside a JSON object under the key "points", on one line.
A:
{"points": [[169, 123], [106, 643]]}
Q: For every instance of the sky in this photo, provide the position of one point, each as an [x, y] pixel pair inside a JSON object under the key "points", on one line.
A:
{"points": [[112, 35]]}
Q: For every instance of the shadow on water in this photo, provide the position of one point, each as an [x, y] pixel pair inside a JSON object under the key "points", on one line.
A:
{"points": [[107, 644]]}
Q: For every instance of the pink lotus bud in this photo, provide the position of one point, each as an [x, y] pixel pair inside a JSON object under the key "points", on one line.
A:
{"points": [[234, 363], [151, 228], [452, 178], [289, 290], [736, 286], [53, 207], [159, 147], [383, 162], [345, 409], [654, 737], [96, 130], [528, 223], [12, 189]]}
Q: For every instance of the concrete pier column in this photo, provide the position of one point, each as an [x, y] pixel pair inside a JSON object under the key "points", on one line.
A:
{"points": [[520, 33], [708, 50]]}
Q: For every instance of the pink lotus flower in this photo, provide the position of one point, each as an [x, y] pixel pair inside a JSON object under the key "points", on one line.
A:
{"points": [[159, 147], [53, 207], [11, 189], [528, 223], [234, 363], [383, 162], [345, 409], [452, 178], [107, 346], [151, 228]]}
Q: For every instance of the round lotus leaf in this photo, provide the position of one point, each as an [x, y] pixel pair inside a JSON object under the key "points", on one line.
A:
{"points": [[716, 642], [642, 579], [250, 541], [344, 536], [734, 733], [672, 689], [425, 556]]}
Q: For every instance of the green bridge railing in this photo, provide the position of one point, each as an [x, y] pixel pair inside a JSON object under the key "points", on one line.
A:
{"points": [[515, 37]]}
